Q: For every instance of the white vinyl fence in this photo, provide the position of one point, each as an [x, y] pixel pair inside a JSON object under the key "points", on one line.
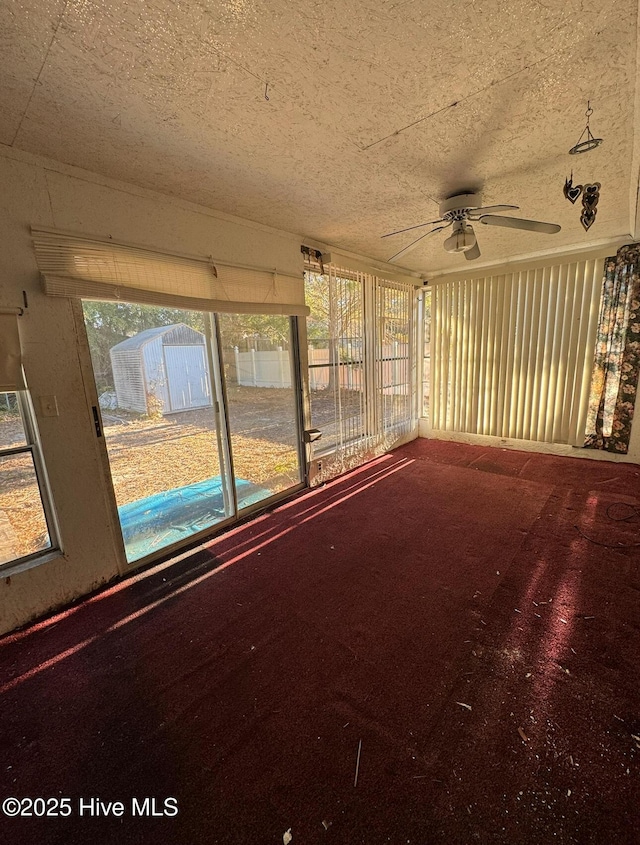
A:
{"points": [[392, 364], [263, 369], [272, 369]]}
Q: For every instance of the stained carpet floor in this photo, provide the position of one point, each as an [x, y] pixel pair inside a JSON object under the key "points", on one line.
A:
{"points": [[455, 628]]}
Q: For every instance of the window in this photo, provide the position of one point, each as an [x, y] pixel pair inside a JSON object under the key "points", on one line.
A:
{"points": [[394, 320], [27, 523], [336, 361], [360, 336], [166, 364]]}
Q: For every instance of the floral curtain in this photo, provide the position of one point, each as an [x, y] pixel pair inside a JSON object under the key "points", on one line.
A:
{"points": [[617, 358]]}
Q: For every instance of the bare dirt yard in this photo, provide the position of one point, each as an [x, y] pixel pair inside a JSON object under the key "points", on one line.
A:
{"points": [[148, 456]]}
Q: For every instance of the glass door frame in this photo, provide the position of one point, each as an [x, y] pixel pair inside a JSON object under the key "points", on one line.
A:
{"points": [[302, 451], [218, 385]]}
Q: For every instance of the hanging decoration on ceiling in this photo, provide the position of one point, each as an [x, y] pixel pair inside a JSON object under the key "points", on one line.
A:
{"points": [[590, 192], [589, 143], [571, 191], [590, 197]]}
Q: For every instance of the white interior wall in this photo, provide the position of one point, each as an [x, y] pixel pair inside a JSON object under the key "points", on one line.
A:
{"points": [[40, 192]]}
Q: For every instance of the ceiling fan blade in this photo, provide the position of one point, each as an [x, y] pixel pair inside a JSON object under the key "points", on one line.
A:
{"points": [[472, 253], [519, 223], [490, 209], [413, 244], [409, 228]]}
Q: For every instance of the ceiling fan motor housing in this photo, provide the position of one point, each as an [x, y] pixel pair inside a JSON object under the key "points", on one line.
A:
{"points": [[457, 208]]}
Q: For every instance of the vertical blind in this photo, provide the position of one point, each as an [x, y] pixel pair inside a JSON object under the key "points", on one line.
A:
{"points": [[369, 324], [353, 425], [512, 353]]}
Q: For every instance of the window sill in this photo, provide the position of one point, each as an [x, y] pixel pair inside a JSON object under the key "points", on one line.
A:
{"points": [[7, 570]]}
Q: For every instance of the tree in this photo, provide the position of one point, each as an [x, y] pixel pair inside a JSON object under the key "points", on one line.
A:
{"points": [[335, 317], [245, 330], [109, 323]]}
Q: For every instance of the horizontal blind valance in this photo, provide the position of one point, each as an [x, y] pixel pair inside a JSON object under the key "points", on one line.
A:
{"points": [[10, 354], [72, 265]]}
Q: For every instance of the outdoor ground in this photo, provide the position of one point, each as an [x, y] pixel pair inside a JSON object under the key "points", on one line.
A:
{"points": [[149, 456]]}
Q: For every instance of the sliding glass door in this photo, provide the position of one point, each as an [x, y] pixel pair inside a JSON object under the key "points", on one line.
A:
{"points": [[261, 404], [193, 436], [161, 430]]}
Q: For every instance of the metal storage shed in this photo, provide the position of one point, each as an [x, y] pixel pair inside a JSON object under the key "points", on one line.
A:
{"points": [[168, 363]]}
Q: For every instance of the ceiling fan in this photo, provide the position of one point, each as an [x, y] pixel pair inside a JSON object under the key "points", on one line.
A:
{"points": [[459, 211]]}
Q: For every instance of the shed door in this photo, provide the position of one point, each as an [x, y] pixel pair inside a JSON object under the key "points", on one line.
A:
{"points": [[187, 377]]}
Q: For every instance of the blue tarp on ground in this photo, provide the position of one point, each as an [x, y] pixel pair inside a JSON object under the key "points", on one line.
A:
{"points": [[152, 523]]}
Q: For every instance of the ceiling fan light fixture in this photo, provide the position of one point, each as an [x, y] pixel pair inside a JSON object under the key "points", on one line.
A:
{"points": [[462, 239], [458, 212]]}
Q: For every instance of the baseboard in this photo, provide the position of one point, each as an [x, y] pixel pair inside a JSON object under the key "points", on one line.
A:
{"points": [[425, 430]]}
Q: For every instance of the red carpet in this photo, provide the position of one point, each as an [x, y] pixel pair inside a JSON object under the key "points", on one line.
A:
{"points": [[440, 609]]}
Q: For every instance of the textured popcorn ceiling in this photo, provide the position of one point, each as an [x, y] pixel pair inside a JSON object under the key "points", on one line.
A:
{"points": [[376, 109]]}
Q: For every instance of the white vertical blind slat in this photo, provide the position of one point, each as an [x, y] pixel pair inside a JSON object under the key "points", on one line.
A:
{"points": [[435, 358], [484, 354], [497, 311], [476, 322], [591, 311], [443, 347], [511, 310], [455, 334], [540, 403], [464, 308], [569, 324], [576, 342], [549, 369], [456, 352], [523, 328]]}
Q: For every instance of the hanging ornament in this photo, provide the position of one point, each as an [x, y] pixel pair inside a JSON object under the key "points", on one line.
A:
{"points": [[589, 143], [571, 191], [590, 197]]}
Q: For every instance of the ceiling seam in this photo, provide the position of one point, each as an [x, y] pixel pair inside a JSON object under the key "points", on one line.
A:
{"points": [[46, 184], [37, 79], [461, 100], [142, 192], [238, 65]]}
